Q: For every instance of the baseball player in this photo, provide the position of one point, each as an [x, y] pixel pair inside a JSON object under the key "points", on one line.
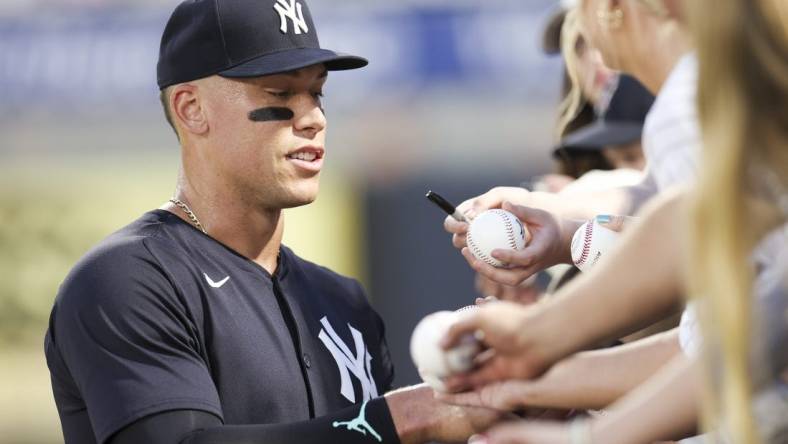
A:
{"points": [[193, 324]]}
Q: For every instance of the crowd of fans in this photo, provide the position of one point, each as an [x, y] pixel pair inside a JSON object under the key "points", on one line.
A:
{"points": [[708, 236]]}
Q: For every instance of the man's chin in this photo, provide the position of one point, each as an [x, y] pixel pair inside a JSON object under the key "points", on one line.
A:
{"points": [[299, 199], [297, 203]]}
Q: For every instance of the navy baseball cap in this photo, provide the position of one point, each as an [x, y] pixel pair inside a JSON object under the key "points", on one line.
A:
{"points": [[621, 123], [551, 36], [242, 38]]}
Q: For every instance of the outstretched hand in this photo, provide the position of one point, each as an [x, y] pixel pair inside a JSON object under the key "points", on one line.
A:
{"points": [[548, 246], [472, 207], [515, 351]]}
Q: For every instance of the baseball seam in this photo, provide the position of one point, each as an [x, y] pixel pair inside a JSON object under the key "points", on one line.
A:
{"points": [[586, 244], [478, 252], [509, 229]]}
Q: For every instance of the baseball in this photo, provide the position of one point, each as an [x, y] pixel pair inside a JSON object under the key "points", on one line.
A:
{"points": [[493, 230], [590, 243], [433, 362]]}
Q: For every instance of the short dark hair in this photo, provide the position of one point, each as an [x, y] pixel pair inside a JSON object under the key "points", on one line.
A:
{"points": [[164, 98]]}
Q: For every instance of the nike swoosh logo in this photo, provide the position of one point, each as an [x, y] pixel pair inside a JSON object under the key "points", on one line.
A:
{"points": [[216, 284]]}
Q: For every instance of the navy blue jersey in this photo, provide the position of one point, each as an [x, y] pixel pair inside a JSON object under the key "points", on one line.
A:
{"points": [[161, 317]]}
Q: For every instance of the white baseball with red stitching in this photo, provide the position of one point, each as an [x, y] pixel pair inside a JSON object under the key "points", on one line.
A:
{"points": [[432, 361], [590, 243], [495, 230]]}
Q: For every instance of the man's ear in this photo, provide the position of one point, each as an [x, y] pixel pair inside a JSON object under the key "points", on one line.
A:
{"points": [[186, 106]]}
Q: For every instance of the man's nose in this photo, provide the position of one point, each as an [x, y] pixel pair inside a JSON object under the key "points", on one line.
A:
{"points": [[309, 115]]}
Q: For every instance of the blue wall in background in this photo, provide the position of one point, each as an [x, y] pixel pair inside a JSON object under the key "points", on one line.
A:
{"points": [[78, 59]]}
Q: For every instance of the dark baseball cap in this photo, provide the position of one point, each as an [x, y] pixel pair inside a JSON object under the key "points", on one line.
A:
{"points": [[621, 123], [551, 36], [242, 38]]}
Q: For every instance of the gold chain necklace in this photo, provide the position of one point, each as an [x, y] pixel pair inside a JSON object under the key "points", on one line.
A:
{"points": [[189, 213]]}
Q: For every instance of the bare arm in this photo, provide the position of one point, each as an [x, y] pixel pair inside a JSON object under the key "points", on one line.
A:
{"points": [[588, 380], [638, 284], [577, 205], [551, 219], [585, 205], [603, 376], [666, 407]]}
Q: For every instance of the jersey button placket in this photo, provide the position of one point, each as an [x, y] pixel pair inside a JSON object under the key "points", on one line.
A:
{"points": [[307, 360]]}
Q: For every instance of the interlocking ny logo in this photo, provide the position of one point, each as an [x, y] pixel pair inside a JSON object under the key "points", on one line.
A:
{"points": [[359, 364], [292, 11]]}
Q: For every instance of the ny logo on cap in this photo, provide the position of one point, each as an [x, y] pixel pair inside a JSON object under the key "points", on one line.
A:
{"points": [[293, 12]]}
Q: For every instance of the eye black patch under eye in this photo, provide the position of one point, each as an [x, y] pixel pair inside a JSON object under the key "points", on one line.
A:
{"points": [[271, 114]]}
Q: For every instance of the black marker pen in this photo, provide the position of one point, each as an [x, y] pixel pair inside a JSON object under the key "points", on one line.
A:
{"points": [[444, 205]]}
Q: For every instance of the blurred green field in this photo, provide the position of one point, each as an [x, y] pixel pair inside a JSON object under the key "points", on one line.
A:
{"points": [[53, 212]]}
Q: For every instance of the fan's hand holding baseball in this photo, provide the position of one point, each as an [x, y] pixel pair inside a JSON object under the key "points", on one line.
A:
{"points": [[513, 337], [596, 239], [548, 245], [477, 205]]}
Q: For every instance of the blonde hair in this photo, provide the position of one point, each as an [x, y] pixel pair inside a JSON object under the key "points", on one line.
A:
{"points": [[574, 100], [571, 34], [743, 105]]}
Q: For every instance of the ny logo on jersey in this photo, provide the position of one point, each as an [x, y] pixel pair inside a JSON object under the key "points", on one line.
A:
{"points": [[358, 364], [292, 11]]}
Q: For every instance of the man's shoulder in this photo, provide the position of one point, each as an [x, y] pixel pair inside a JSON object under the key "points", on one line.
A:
{"points": [[128, 243], [120, 259]]}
